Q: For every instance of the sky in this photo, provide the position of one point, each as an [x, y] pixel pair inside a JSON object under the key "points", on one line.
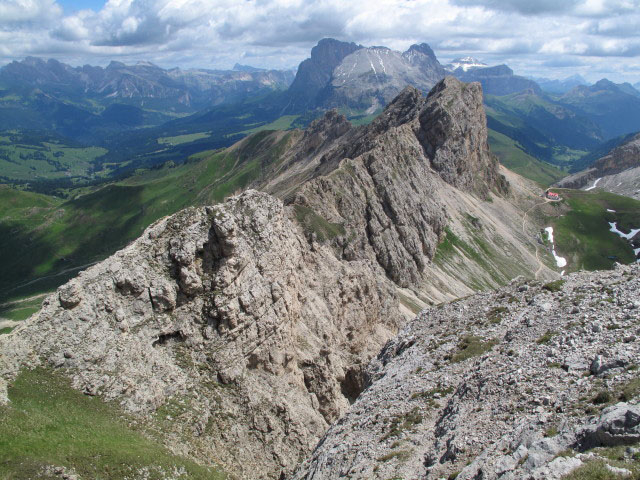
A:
{"points": [[546, 38]]}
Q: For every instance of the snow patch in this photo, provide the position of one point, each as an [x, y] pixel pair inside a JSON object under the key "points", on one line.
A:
{"points": [[549, 231], [381, 63], [595, 184], [628, 236], [560, 261]]}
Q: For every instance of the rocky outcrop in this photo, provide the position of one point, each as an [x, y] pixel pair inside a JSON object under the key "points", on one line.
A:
{"points": [[230, 310], [497, 386], [393, 166]]}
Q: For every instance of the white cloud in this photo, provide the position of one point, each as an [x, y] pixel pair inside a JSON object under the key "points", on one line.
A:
{"points": [[538, 37], [22, 13]]}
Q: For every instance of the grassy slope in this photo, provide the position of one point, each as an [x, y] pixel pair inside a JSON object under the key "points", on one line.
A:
{"points": [[582, 234], [534, 123], [47, 423], [57, 237], [512, 156]]}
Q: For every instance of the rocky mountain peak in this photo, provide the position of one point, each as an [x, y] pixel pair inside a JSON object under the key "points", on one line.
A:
{"points": [[315, 72], [422, 48], [401, 110], [454, 121], [115, 65], [604, 84]]}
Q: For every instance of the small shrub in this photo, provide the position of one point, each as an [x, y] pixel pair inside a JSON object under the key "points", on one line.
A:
{"points": [[555, 286], [630, 390], [592, 470], [544, 339], [404, 422], [495, 314], [399, 454], [602, 398], [471, 346]]}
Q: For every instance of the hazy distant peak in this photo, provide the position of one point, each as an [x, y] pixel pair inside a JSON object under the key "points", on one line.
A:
{"points": [[422, 48], [246, 68], [465, 63]]}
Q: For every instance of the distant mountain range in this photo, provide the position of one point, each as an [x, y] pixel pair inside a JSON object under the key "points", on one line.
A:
{"points": [[144, 81], [86, 103], [557, 121], [560, 86]]}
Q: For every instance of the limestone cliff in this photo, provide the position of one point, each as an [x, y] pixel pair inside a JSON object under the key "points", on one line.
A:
{"points": [[230, 311]]}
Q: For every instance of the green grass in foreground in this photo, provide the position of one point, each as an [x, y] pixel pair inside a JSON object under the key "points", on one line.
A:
{"points": [[582, 235], [49, 423], [515, 159]]}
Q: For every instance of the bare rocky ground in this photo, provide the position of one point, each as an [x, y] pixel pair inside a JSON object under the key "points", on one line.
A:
{"points": [[516, 383]]}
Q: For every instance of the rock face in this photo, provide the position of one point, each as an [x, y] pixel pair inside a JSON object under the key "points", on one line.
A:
{"points": [[340, 74], [618, 171], [314, 73], [259, 315], [497, 385], [439, 138], [230, 310]]}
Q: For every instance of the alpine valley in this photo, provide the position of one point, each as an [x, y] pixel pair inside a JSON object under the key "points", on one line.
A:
{"points": [[374, 267]]}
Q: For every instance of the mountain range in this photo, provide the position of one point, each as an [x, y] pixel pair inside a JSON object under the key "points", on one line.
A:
{"points": [[108, 107], [560, 86], [90, 103], [261, 312]]}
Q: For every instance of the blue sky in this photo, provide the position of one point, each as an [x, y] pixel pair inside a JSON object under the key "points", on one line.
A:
{"points": [[71, 6], [546, 38]]}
